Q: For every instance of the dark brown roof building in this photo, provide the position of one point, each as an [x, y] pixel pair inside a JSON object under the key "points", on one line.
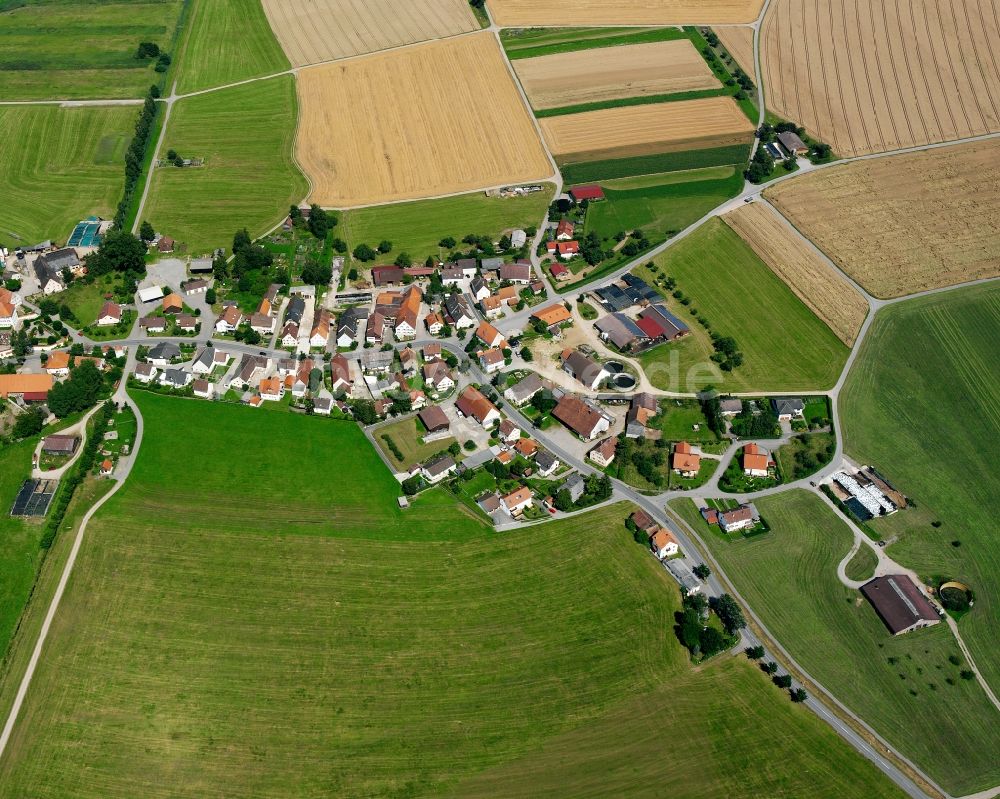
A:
{"points": [[899, 603], [60, 445], [434, 418]]}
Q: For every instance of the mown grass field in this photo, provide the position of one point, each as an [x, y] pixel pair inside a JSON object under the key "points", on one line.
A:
{"points": [[249, 179], [60, 49], [417, 227], [658, 204], [587, 172], [789, 578], [533, 42], [922, 404], [234, 627], [406, 435], [785, 346], [227, 41], [60, 166]]}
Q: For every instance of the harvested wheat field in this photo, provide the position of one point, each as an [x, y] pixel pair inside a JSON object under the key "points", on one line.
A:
{"points": [[517, 13], [871, 76], [608, 73], [311, 31], [806, 273], [904, 223], [439, 118], [646, 129], [739, 42]]}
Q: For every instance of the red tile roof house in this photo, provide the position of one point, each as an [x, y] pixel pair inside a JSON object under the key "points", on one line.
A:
{"points": [[755, 461], [514, 503], [567, 249], [589, 192], [663, 544], [581, 417], [564, 230], [741, 518], [560, 272], [110, 314], [489, 335], [491, 360], [686, 462], [437, 376], [516, 273], [509, 431], [340, 374], [604, 453], [230, 319], [472, 404]]}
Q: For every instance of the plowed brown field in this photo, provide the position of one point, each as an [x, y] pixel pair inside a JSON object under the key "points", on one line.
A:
{"points": [[607, 73], [516, 13], [869, 76], [813, 280], [646, 129], [311, 31], [433, 119], [905, 223], [739, 43]]}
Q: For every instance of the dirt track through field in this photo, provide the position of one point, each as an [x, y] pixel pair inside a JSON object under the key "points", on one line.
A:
{"points": [[311, 31], [586, 76], [646, 129], [813, 280], [870, 76], [739, 43], [433, 119], [906, 223], [517, 13]]}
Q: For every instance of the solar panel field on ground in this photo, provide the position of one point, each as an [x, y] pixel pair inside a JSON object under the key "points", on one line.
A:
{"points": [[34, 498], [85, 234]]}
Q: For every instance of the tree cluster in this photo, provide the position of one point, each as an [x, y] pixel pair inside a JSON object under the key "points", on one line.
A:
{"points": [[78, 392], [700, 639], [763, 424], [119, 251]]}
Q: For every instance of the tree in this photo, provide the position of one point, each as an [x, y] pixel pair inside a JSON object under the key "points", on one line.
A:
{"points": [[20, 343], [364, 411], [364, 253], [178, 162], [171, 155], [799, 695], [339, 246], [316, 274], [729, 613], [352, 274], [711, 641], [384, 246], [147, 50], [755, 652], [146, 232], [320, 222], [562, 500], [447, 243], [543, 401], [403, 260], [770, 667], [241, 240], [210, 296], [411, 485], [78, 393], [29, 423], [783, 680], [526, 355], [701, 571]]}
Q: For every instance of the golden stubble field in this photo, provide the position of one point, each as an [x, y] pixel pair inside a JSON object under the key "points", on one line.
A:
{"points": [[433, 119], [646, 129], [813, 280], [311, 31], [872, 76], [607, 73], [739, 42], [517, 13], [904, 223]]}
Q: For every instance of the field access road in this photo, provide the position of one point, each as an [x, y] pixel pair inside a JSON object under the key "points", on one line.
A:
{"points": [[125, 464]]}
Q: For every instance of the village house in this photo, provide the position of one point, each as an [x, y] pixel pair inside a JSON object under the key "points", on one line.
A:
{"points": [[451, 275], [375, 329], [58, 363], [553, 317], [756, 461], [387, 276], [509, 431], [340, 375], [272, 389], [643, 521], [438, 377], [196, 286], [432, 351], [145, 372], [685, 462], [9, 302], [110, 314], [491, 360], [409, 361], [434, 323], [489, 335], [49, 267], [251, 369], [262, 323], [583, 368], [663, 544], [526, 447], [514, 503], [658, 324], [582, 416], [644, 406], [519, 273], [295, 309], [203, 389], [376, 361], [560, 273], [458, 312], [320, 331], [175, 378], [406, 317], [229, 320], [434, 419], [792, 143], [518, 238], [617, 329], [565, 230], [472, 404], [438, 469], [153, 324], [107, 467], [521, 392], [730, 406], [187, 323], [899, 603], [604, 452], [173, 304], [742, 518], [289, 336], [347, 326], [208, 359], [546, 462], [787, 408], [494, 305], [60, 444], [479, 289], [591, 192], [165, 245]]}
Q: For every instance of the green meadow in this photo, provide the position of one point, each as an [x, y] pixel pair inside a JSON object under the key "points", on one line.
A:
{"points": [[245, 136], [254, 615]]}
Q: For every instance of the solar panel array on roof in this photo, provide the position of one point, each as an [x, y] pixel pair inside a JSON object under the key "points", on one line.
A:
{"points": [[34, 498], [614, 298], [639, 289]]}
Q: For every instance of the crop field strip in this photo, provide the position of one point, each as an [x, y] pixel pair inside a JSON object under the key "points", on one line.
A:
{"points": [[525, 13], [451, 120], [904, 223], [245, 135], [738, 40], [789, 577], [922, 404], [785, 346], [60, 166], [379, 650], [227, 41], [585, 76], [311, 31], [616, 133], [826, 292], [64, 49], [872, 76]]}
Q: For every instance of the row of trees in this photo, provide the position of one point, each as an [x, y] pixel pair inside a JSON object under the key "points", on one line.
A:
{"points": [[135, 154]]}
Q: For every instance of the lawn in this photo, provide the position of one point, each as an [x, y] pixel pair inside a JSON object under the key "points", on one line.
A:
{"points": [[586, 172], [804, 455], [406, 436], [417, 227], [677, 420], [662, 204], [785, 346], [61, 49], [227, 41], [60, 166], [249, 179], [922, 404], [862, 565], [86, 299], [532, 42], [259, 625], [898, 685]]}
